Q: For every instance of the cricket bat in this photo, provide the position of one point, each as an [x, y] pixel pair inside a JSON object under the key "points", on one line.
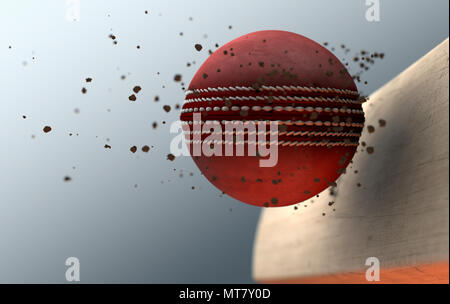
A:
{"points": [[391, 205]]}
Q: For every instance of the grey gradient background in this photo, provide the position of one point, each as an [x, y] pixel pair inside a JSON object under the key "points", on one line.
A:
{"points": [[162, 231]]}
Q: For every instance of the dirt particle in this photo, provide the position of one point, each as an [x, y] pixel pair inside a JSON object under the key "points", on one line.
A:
{"points": [[67, 178], [83, 90], [371, 129], [177, 77], [166, 108], [382, 122], [370, 150], [107, 146], [132, 97], [133, 149], [136, 89], [170, 157], [47, 129], [198, 47], [145, 148]]}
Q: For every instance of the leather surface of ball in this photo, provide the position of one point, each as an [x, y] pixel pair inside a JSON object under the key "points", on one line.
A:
{"points": [[283, 77]]}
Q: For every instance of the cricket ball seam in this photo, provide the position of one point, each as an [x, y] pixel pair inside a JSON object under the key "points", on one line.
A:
{"points": [[282, 133], [270, 108], [279, 143], [273, 88], [273, 98], [286, 122]]}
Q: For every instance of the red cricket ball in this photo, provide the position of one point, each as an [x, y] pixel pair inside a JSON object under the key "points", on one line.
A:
{"points": [[286, 78]]}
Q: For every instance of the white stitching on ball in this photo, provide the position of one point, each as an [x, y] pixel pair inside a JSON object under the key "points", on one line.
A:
{"points": [[273, 98], [279, 143], [282, 133], [274, 89], [290, 123], [277, 108]]}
